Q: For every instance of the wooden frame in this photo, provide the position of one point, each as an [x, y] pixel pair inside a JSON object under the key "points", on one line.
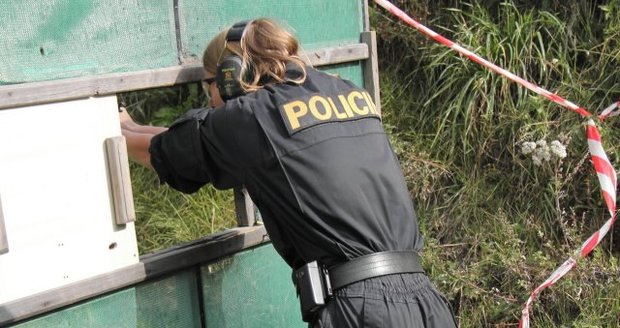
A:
{"points": [[371, 68], [244, 208], [16, 95], [193, 254]]}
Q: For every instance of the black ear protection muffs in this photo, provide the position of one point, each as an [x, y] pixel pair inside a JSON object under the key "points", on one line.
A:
{"points": [[228, 76]]}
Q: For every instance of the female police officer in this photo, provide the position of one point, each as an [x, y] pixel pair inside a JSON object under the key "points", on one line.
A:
{"points": [[310, 149]]}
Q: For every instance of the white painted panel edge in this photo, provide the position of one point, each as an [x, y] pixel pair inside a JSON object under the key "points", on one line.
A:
{"points": [[4, 243]]}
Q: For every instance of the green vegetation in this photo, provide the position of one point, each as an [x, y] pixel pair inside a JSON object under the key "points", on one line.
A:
{"points": [[497, 221]]}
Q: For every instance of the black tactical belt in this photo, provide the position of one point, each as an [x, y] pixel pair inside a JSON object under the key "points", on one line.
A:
{"points": [[374, 265], [315, 284]]}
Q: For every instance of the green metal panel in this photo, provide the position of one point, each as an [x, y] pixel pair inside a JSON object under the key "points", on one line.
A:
{"points": [[317, 23], [165, 303], [351, 71], [250, 289], [54, 39], [170, 302], [116, 310]]}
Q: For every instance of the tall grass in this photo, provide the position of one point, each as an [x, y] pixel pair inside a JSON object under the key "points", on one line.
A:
{"points": [[496, 223]]}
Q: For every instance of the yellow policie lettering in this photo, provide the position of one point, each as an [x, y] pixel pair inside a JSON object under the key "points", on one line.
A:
{"points": [[316, 110], [370, 103], [302, 113], [345, 104], [352, 96], [339, 115], [294, 115]]}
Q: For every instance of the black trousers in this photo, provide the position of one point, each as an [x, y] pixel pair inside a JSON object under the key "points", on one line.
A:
{"points": [[395, 301]]}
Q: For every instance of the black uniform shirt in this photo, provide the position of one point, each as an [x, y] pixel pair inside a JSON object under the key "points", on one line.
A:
{"points": [[313, 157]]}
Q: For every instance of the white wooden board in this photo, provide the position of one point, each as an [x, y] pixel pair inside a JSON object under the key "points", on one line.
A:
{"points": [[56, 197]]}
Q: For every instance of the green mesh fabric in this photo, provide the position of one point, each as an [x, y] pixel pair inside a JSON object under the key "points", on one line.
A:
{"points": [[317, 23], [55, 39], [351, 71], [165, 303], [116, 310], [171, 302], [252, 289]]}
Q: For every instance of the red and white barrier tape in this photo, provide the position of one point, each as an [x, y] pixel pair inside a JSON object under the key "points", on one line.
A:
{"points": [[608, 181], [609, 111], [604, 169]]}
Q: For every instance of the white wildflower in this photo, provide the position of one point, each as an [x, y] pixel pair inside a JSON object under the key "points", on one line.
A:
{"points": [[541, 153], [546, 153], [558, 149], [528, 147], [536, 159]]}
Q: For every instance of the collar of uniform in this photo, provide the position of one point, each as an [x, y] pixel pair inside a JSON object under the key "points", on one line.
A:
{"points": [[293, 71]]}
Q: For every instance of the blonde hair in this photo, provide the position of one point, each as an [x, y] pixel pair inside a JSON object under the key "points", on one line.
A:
{"points": [[265, 49]]}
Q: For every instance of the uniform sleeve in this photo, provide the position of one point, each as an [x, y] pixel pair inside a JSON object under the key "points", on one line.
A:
{"points": [[181, 159]]}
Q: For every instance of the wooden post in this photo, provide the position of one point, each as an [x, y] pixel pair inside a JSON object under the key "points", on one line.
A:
{"points": [[245, 208], [4, 244], [371, 68]]}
